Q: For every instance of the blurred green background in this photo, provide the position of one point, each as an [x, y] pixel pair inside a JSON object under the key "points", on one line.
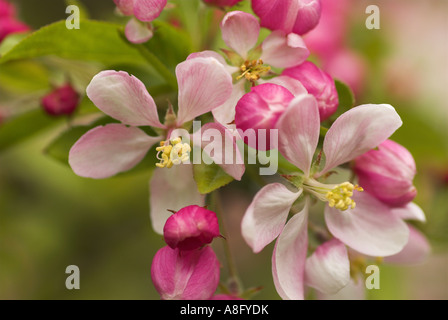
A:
{"points": [[50, 218]]}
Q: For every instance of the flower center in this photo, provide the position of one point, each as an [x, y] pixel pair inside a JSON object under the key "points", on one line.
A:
{"points": [[172, 152], [253, 70], [337, 195]]}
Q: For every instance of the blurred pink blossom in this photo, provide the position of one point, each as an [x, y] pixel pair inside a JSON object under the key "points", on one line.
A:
{"points": [[61, 101]]}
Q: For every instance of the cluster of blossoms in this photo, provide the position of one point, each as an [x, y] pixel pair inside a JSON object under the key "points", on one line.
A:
{"points": [[9, 23], [268, 86]]}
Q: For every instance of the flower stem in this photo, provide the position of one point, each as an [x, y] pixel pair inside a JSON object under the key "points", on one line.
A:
{"points": [[235, 283]]}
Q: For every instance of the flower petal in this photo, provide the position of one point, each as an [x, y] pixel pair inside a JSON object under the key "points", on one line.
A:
{"points": [[123, 97], [126, 7], [411, 211], [240, 31], [328, 268], [353, 291], [204, 84], [289, 257], [105, 151], [172, 189], [371, 228], [284, 50], [299, 128], [148, 10], [267, 214], [357, 131], [294, 86], [137, 32], [415, 252], [185, 275]]}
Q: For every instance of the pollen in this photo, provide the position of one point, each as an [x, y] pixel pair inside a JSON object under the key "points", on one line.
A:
{"points": [[253, 70], [340, 196], [172, 152]]}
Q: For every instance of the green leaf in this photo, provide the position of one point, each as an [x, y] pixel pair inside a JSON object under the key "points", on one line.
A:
{"points": [[21, 127], [346, 96], [24, 76], [94, 41], [210, 177]]}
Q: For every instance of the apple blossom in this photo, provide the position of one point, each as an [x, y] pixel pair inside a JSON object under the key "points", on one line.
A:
{"points": [[354, 218], [61, 101], [298, 16], [318, 83], [387, 173], [190, 228], [248, 62], [9, 24], [104, 151]]}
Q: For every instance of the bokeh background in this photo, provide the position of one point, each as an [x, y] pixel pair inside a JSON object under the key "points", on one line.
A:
{"points": [[50, 218]]}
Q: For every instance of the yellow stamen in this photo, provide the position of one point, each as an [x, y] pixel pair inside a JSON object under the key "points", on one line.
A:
{"points": [[340, 196], [172, 152], [253, 70]]}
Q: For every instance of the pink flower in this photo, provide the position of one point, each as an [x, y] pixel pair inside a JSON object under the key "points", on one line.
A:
{"points": [[240, 31], [104, 151], [319, 84], [387, 173], [61, 101], [138, 29], [185, 275], [356, 219], [222, 3], [298, 16], [190, 228], [6, 9]]}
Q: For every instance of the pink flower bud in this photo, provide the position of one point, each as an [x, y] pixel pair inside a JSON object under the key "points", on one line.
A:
{"points": [[62, 100], [222, 3], [259, 110], [185, 275], [298, 16], [191, 228], [387, 173], [319, 84]]}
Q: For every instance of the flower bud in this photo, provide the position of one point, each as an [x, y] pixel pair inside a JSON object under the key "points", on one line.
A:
{"points": [[61, 101], [298, 16], [222, 3], [9, 25], [185, 275], [259, 110], [6, 9], [318, 83], [387, 173], [191, 228]]}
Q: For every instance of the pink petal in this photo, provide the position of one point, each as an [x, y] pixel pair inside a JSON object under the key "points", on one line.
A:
{"points": [[294, 86], [172, 189], [225, 114], [416, 250], [289, 257], [357, 131], [137, 32], [240, 31], [371, 228], [191, 228], [328, 268], [217, 56], [353, 291], [267, 214], [299, 128], [228, 155], [148, 10], [204, 84], [282, 50], [411, 211], [185, 275], [123, 97], [126, 7], [105, 151]]}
